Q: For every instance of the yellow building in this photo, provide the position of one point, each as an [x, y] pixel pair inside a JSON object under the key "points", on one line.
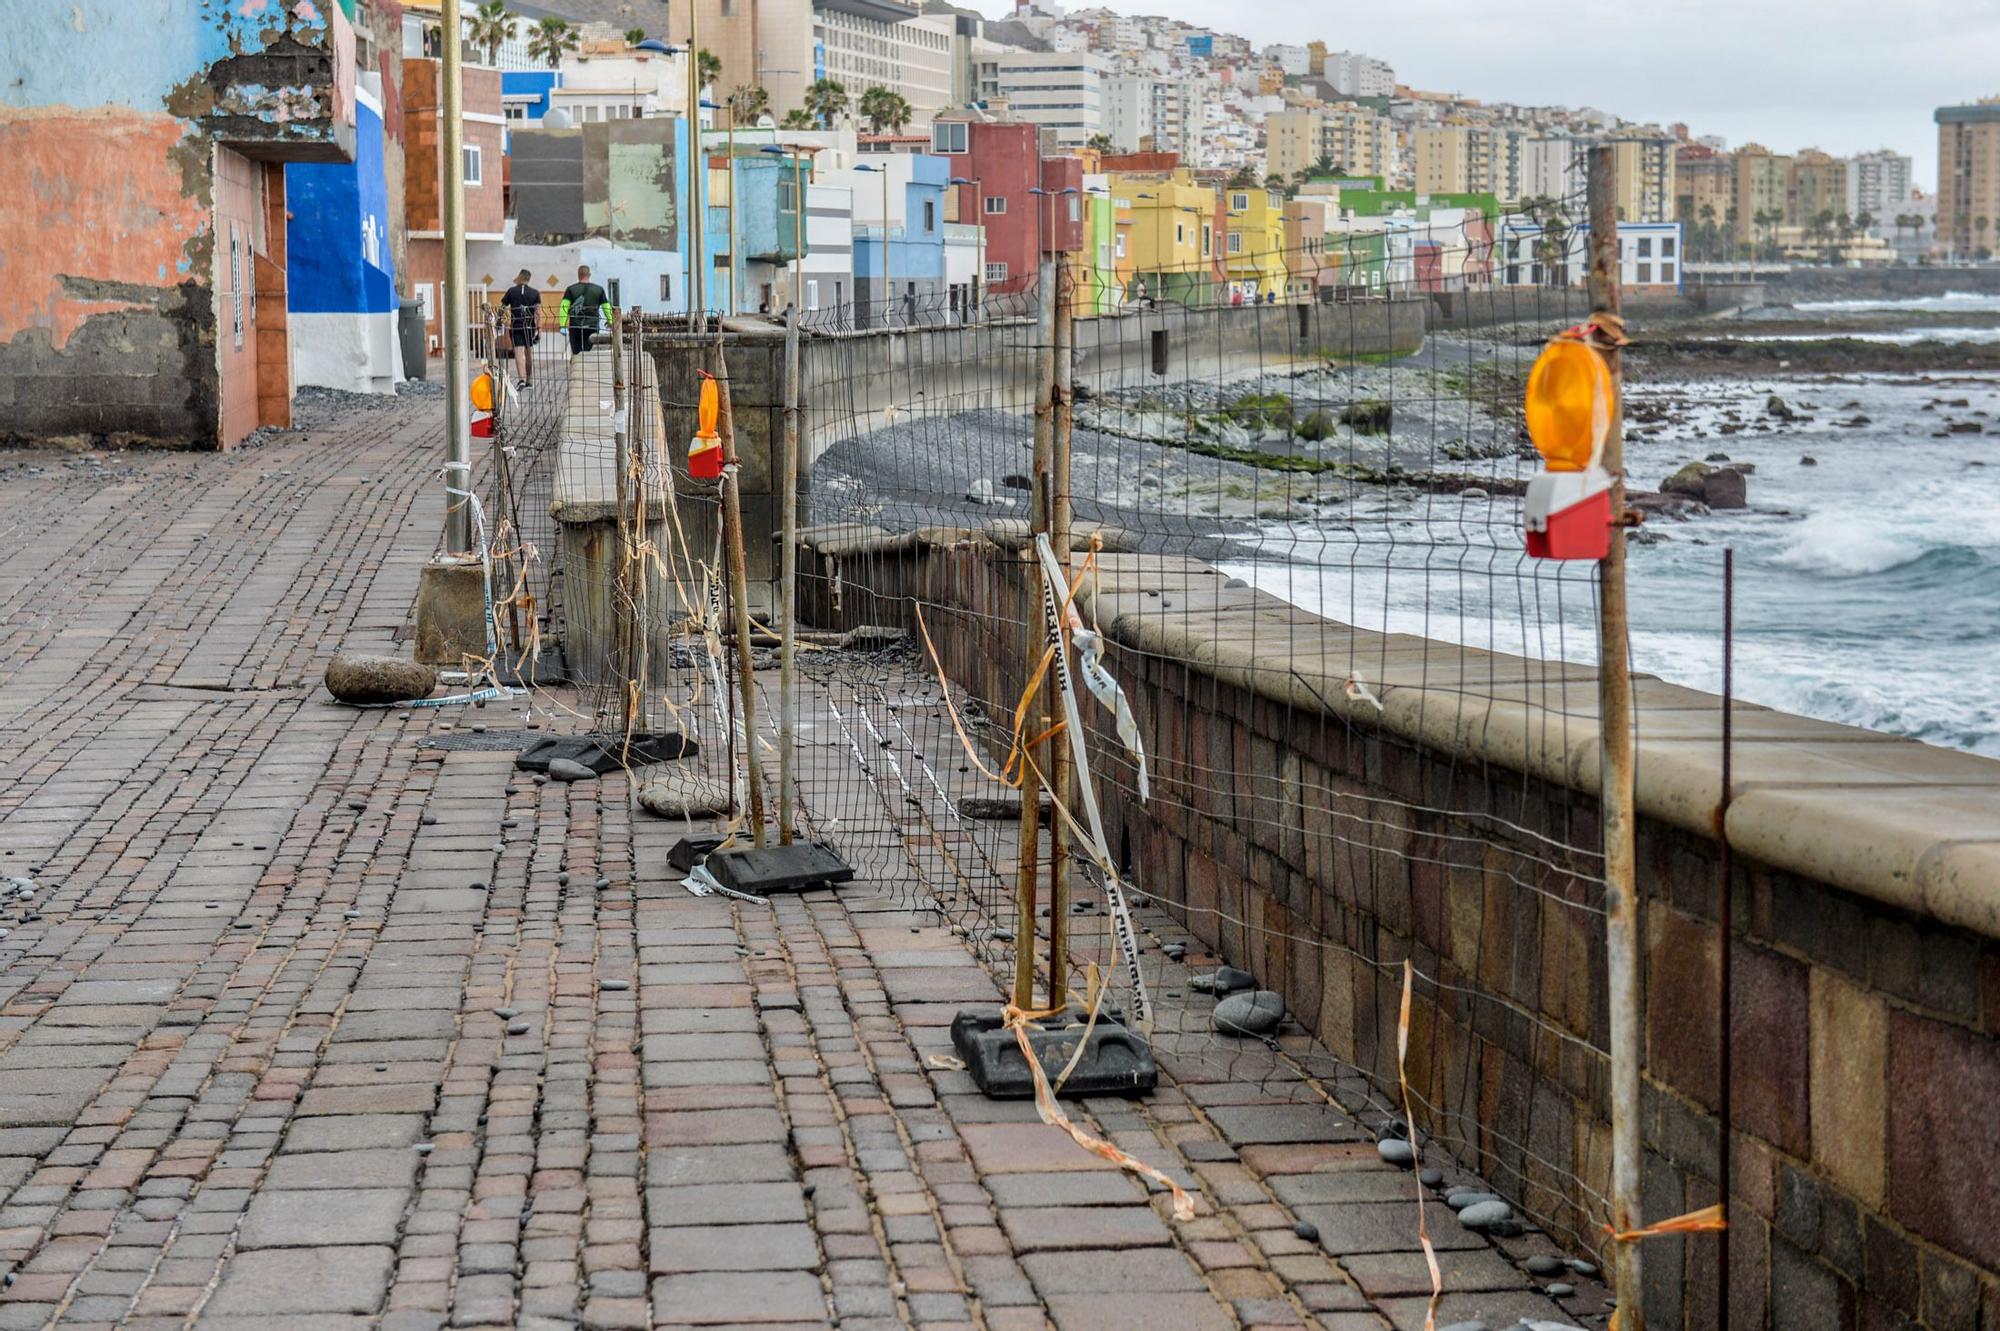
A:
{"points": [[1762, 184], [1170, 237], [1255, 243], [1647, 169], [1968, 211], [1357, 141]]}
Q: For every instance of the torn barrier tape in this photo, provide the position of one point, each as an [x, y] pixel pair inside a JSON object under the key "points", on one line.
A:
{"points": [[1121, 914]]}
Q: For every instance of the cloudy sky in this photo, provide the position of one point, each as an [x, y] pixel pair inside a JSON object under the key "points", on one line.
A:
{"points": [[1842, 75]]}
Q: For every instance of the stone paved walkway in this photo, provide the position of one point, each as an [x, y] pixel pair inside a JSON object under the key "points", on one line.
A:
{"points": [[268, 1058]]}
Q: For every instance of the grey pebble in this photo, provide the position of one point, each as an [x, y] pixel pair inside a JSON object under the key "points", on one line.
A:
{"points": [[1002, 935], [422, 1148], [1465, 1197], [510, 822], [1464, 1326], [1430, 1178], [428, 820], [1307, 1230], [1397, 1152], [1546, 1265], [521, 1028], [478, 886], [1174, 951], [617, 986], [562, 769], [1560, 1290], [1581, 1267], [1484, 1215], [505, 1013], [562, 880], [1256, 1012], [603, 883], [351, 914]]}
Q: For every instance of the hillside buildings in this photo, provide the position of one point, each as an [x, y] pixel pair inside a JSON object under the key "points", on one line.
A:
{"points": [[1968, 197]]}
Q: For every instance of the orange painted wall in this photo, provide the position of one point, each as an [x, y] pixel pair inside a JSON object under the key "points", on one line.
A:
{"points": [[96, 195], [239, 223]]}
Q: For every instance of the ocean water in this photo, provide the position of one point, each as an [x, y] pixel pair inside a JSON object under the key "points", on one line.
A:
{"points": [[1867, 585]]}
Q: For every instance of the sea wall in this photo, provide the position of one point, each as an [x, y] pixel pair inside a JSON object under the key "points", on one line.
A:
{"points": [[1319, 841]]}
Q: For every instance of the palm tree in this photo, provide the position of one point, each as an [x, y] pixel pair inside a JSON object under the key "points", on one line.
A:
{"points": [[747, 103], [633, 36], [489, 28], [1100, 142], [826, 101], [1863, 220], [798, 118], [884, 110], [707, 67], [1706, 232], [552, 39], [1244, 178]]}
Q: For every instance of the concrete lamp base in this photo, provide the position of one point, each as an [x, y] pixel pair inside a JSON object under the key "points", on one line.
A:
{"points": [[451, 611]]}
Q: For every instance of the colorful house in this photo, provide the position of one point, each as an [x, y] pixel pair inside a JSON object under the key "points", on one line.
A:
{"points": [[1254, 246], [341, 293], [1172, 234], [145, 263]]}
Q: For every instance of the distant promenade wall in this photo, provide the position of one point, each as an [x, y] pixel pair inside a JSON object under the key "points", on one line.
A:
{"points": [[1866, 894], [854, 383]]}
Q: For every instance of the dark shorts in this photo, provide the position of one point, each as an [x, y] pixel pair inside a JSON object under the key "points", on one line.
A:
{"points": [[579, 339], [525, 335]]}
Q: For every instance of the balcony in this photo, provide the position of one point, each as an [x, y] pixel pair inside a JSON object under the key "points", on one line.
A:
{"points": [[282, 87]]}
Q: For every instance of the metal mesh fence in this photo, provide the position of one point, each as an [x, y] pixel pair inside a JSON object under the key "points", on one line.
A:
{"points": [[1295, 526], [1290, 524]]}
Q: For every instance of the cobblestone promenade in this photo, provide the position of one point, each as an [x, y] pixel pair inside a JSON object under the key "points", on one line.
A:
{"points": [[269, 1059]]}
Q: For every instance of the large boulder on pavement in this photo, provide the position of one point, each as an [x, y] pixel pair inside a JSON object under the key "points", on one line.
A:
{"points": [[678, 793], [378, 679]]}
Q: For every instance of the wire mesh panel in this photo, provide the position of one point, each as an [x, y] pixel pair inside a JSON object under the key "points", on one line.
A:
{"points": [[1359, 710]]}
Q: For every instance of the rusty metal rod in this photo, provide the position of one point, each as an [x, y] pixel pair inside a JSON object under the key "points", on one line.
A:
{"points": [[1062, 777], [1037, 636], [1725, 929]]}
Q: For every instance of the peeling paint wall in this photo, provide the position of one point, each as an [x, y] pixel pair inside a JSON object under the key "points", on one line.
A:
{"points": [[111, 126]]}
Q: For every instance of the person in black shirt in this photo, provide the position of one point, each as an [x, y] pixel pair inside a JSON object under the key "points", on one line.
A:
{"points": [[521, 309], [583, 305]]}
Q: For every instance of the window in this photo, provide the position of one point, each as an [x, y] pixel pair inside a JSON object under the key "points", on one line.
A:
{"points": [[996, 272], [1075, 208], [1121, 247], [1666, 247], [787, 195], [1645, 274], [1239, 203], [1645, 247], [666, 287], [612, 292], [474, 161], [1207, 235], [1666, 273], [515, 111], [948, 136], [1180, 234], [996, 203], [812, 293], [930, 216], [1121, 203], [1236, 242]]}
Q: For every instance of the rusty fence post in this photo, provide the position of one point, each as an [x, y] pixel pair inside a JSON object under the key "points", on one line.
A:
{"points": [[1040, 512]]}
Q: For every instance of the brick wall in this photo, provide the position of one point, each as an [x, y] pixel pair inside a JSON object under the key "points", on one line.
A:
{"points": [[1315, 852]]}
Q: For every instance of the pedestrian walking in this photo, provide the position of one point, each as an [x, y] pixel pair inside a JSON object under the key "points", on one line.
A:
{"points": [[583, 305], [521, 321]]}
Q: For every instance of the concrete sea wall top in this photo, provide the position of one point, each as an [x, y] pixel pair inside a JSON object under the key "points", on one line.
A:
{"points": [[1903, 823]]}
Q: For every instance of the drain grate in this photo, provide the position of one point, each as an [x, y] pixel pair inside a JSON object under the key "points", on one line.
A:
{"points": [[492, 741]]}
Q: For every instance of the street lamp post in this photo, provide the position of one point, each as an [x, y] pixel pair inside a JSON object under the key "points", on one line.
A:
{"points": [[888, 281], [979, 238]]}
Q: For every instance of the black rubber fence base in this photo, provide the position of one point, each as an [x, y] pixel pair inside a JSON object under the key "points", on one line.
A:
{"points": [[1116, 1060], [606, 753], [761, 871]]}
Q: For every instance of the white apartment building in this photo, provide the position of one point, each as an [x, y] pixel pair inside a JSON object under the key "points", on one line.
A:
{"points": [[1552, 168], [863, 44], [1294, 59], [1061, 91], [1878, 183], [621, 85], [1355, 75], [1140, 110]]}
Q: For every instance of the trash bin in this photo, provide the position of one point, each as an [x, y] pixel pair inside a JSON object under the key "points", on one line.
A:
{"points": [[410, 327]]}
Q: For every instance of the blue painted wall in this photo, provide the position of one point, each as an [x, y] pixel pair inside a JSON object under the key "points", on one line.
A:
{"points": [[337, 241]]}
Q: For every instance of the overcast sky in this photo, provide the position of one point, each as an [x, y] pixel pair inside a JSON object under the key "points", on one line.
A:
{"points": [[1842, 75]]}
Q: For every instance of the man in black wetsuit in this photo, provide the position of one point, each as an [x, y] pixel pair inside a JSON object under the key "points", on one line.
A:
{"points": [[583, 306]]}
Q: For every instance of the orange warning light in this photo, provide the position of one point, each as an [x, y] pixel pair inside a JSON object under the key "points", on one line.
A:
{"points": [[1569, 404]]}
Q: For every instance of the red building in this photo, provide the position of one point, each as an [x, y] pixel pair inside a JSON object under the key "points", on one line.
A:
{"points": [[1002, 167]]}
